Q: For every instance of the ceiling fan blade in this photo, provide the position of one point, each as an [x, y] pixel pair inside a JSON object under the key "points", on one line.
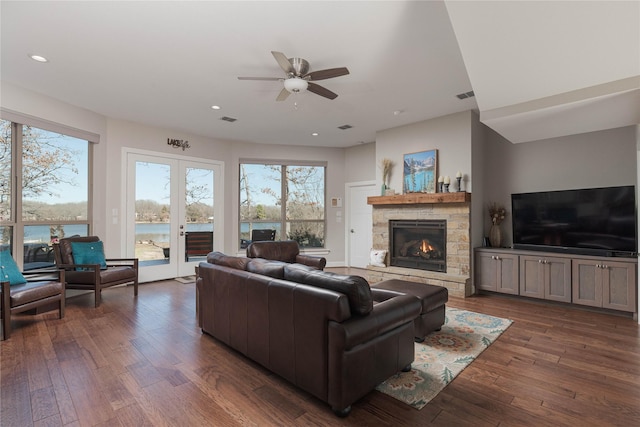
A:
{"points": [[283, 61], [327, 74], [284, 93], [261, 78], [319, 90]]}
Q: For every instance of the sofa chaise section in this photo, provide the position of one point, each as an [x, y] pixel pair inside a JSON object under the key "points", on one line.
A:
{"points": [[317, 338]]}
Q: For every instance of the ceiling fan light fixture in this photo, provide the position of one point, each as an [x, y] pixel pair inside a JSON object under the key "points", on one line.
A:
{"points": [[296, 85]]}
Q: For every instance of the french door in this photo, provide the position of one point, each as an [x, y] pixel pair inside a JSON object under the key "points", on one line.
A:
{"points": [[173, 219]]}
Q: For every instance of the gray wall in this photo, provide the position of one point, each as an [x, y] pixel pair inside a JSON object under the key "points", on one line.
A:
{"points": [[360, 163], [595, 159]]}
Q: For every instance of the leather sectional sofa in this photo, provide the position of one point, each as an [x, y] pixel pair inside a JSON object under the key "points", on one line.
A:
{"points": [[321, 331]]}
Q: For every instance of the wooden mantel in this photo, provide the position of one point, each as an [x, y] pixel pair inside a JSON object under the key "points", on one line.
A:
{"points": [[420, 198]]}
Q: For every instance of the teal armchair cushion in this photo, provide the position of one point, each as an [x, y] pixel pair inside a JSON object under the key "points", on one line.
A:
{"points": [[9, 271], [88, 253]]}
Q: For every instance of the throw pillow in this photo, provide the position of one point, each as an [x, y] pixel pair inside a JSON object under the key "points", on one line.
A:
{"points": [[356, 288], [88, 253], [265, 267], [9, 271], [376, 257]]}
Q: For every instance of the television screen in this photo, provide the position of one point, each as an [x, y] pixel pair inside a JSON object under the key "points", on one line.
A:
{"points": [[592, 221]]}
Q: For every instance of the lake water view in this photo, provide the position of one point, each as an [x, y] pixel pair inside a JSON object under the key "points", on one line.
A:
{"points": [[157, 232]]}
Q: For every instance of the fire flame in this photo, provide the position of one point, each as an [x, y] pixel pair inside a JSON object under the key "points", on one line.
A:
{"points": [[426, 247]]}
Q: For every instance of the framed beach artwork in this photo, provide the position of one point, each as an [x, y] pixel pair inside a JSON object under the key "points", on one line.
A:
{"points": [[420, 172]]}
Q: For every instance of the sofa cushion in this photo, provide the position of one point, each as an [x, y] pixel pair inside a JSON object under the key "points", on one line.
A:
{"points": [[356, 288], [218, 258], [266, 267], [280, 251]]}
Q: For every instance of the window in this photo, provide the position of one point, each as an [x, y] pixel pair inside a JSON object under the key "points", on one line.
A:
{"points": [[287, 198], [53, 199]]}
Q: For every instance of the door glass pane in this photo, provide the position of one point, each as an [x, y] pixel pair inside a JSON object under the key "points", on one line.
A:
{"points": [[152, 216], [199, 217], [5, 170], [54, 176]]}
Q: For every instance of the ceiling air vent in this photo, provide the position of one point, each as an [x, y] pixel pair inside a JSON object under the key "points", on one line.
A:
{"points": [[345, 127], [228, 119], [466, 95]]}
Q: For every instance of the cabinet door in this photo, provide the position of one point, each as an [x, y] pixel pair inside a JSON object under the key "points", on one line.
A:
{"points": [[557, 286], [495, 271], [532, 275], [486, 273], [586, 282], [507, 266], [619, 285]]}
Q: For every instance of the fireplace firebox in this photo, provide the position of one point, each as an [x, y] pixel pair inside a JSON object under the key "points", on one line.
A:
{"points": [[419, 244]]}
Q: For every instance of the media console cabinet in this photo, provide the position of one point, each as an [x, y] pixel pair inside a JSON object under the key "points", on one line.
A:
{"points": [[605, 282]]}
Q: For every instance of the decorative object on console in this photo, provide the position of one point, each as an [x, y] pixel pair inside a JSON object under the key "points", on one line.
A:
{"points": [[419, 172], [497, 214], [447, 183], [459, 178], [377, 257], [440, 183]]}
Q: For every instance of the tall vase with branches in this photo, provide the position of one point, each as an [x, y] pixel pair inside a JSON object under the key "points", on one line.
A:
{"points": [[497, 214], [385, 166]]}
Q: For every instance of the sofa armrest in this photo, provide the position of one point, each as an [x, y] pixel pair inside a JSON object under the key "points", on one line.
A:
{"points": [[380, 295], [312, 261], [384, 317]]}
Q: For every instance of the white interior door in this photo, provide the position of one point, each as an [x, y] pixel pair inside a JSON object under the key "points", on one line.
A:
{"points": [[360, 223], [172, 218]]}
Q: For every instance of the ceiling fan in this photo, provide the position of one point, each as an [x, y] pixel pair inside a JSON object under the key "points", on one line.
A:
{"points": [[299, 79]]}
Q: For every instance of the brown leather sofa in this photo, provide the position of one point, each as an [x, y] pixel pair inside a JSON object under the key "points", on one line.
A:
{"points": [[285, 251], [321, 331]]}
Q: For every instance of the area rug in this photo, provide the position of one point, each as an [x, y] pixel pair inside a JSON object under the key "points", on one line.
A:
{"points": [[443, 355]]}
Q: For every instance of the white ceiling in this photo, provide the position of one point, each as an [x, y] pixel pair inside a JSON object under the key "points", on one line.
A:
{"points": [[165, 63]]}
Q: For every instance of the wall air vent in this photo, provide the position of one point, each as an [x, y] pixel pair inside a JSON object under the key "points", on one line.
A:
{"points": [[345, 127], [228, 119], [466, 95]]}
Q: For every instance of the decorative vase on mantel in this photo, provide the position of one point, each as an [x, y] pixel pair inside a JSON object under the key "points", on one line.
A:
{"points": [[383, 190], [495, 236]]}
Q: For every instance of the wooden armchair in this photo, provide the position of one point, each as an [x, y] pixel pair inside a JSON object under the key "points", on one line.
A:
{"points": [[95, 274], [31, 295]]}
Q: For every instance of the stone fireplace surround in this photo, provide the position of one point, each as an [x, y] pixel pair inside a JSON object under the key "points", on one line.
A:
{"points": [[456, 209]]}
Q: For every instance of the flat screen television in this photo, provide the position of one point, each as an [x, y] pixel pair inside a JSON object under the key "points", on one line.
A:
{"points": [[590, 221]]}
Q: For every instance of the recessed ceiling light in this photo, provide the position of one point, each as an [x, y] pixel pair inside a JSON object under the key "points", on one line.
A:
{"points": [[38, 58], [314, 134], [398, 112], [215, 107]]}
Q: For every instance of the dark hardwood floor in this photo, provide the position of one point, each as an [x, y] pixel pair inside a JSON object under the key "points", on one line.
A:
{"points": [[144, 361]]}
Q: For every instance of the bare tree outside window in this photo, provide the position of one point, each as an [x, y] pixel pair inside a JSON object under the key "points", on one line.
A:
{"points": [[287, 198], [53, 180]]}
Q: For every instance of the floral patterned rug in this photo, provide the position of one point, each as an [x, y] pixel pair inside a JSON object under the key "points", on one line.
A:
{"points": [[443, 355]]}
